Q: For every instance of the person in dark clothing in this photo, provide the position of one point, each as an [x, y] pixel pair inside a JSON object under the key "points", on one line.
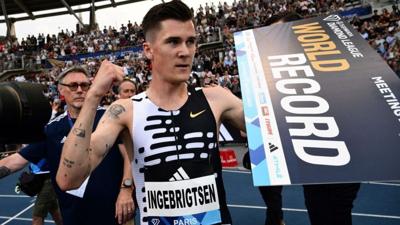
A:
{"points": [[272, 196], [330, 204]]}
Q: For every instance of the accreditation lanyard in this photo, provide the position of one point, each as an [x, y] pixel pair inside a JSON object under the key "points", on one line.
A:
{"points": [[71, 124]]}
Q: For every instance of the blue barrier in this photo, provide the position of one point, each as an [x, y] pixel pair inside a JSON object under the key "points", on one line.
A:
{"points": [[119, 54], [357, 11]]}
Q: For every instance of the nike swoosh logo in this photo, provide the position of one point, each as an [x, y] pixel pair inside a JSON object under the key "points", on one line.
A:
{"points": [[194, 115]]}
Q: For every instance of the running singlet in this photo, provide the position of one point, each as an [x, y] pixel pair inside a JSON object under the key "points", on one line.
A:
{"points": [[176, 163]]}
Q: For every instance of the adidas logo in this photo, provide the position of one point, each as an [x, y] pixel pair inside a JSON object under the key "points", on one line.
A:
{"points": [[179, 175], [155, 221], [333, 18], [272, 147], [224, 134]]}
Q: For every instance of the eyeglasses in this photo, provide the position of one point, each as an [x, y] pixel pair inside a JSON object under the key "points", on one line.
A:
{"points": [[74, 86], [129, 90]]}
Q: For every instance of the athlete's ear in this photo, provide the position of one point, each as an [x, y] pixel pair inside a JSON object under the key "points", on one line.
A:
{"points": [[148, 51]]}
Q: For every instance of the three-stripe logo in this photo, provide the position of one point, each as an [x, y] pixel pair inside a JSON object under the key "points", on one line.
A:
{"points": [[179, 175], [272, 147]]}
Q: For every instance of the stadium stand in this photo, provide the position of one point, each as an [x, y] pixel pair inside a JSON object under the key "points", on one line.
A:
{"points": [[39, 58]]}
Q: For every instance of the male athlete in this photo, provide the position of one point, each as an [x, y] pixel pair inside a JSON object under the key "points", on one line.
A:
{"points": [[174, 128]]}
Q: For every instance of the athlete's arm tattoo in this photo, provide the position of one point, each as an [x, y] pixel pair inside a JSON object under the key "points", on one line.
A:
{"points": [[68, 163], [115, 110], [4, 171], [79, 132]]}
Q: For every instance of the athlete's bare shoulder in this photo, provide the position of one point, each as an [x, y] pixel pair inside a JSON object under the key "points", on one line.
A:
{"points": [[225, 105], [218, 94]]}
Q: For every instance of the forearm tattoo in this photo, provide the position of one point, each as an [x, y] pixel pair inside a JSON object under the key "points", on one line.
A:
{"points": [[68, 163], [115, 110], [79, 132], [4, 171]]}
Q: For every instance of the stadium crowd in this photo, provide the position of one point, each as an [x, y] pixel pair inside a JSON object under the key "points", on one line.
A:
{"points": [[215, 23]]}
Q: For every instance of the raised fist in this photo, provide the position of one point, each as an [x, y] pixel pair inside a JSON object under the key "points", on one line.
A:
{"points": [[107, 76]]}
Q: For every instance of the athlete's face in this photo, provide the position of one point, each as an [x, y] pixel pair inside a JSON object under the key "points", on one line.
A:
{"points": [[74, 98], [171, 50], [126, 90]]}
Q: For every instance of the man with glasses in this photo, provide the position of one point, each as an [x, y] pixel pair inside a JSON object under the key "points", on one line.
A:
{"points": [[95, 201]]}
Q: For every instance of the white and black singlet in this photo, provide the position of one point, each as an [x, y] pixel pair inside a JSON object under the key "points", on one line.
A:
{"points": [[176, 163]]}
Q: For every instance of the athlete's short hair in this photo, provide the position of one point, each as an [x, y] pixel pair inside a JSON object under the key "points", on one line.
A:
{"points": [[76, 69], [174, 9]]}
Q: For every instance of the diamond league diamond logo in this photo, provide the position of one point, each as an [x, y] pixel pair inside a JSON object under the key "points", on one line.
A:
{"points": [[333, 18], [155, 221]]}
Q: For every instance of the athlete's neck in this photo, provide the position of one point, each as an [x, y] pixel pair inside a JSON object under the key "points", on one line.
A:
{"points": [[168, 97]]}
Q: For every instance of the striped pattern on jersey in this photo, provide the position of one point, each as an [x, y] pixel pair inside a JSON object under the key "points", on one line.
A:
{"points": [[162, 137]]}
